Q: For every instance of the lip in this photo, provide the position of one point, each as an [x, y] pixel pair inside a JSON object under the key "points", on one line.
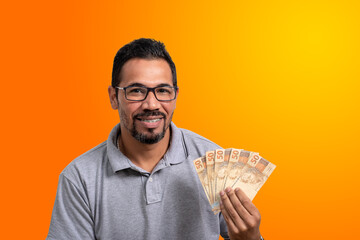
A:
{"points": [[149, 118], [149, 121]]}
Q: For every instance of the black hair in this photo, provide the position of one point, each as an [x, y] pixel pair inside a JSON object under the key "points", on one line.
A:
{"points": [[145, 48]]}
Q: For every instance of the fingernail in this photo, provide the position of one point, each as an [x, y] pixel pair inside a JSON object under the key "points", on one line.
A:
{"points": [[228, 189], [222, 193], [237, 189]]}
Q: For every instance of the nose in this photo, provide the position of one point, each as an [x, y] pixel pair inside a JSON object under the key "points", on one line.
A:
{"points": [[150, 102]]}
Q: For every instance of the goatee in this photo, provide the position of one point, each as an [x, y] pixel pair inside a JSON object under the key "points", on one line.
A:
{"points": [[153, 138]]}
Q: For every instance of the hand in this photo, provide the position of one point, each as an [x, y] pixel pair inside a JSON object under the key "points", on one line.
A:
{"points": [[241, 215]]}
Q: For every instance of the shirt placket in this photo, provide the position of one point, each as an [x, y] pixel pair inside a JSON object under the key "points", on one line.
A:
{"points": [[153, 186]]}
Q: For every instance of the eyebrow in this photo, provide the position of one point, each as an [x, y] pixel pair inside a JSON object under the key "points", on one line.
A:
{"points": [[142, 85]]}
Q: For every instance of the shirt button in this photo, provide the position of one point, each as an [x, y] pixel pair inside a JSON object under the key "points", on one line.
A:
{"points": [[150, 179]]}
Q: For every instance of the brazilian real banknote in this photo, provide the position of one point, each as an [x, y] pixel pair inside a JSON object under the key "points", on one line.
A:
{"points": [[235, 168]]}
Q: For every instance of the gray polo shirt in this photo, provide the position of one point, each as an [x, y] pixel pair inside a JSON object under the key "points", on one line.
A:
{"points": [[103, 195]]}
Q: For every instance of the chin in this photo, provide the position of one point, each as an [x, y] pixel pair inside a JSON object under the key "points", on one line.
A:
{"points": [[149, 135], [148, 139]]}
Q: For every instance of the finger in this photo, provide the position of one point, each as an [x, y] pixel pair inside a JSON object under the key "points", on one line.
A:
{"points": [[243, 213], [246, 202], [231, 211], [229, 222]]}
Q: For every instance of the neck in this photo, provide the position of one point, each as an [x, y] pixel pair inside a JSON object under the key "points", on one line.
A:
{"points": [[145, 156]]}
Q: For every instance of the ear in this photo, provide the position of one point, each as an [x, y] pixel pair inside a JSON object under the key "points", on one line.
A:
{"points": [[113, 100]]}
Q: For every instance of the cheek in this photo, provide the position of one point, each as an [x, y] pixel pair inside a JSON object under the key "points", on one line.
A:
{"points": [[169, 108], [124, 115], [126, 111]]}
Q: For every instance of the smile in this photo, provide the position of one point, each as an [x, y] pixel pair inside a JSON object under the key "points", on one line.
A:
{"points": [[150, 120]]}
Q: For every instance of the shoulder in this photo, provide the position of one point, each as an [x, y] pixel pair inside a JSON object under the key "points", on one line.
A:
{"points": [[196, 143], [86, 165], [196, 138]]}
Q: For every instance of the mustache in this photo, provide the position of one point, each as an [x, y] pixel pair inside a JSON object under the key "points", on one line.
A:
{"points": [[150, 113]]}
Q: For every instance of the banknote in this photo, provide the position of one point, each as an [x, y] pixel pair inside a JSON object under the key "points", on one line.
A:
{"points": [[254, 175], [220, 171], [200, 166], [210, 161], [232, 168], [235, 168]]}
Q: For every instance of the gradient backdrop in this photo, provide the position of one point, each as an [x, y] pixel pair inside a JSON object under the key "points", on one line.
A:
{"points": [[278, 77]]}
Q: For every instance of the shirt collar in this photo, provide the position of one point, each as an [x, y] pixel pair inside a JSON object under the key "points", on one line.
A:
{"points": [[175, 154]]}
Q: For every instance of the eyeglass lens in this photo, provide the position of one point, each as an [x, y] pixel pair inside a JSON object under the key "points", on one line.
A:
{"points": [[161, 93]]}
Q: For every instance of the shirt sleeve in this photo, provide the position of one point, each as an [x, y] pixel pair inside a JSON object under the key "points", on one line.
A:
{"points": [[223, 227], [71, 217]]}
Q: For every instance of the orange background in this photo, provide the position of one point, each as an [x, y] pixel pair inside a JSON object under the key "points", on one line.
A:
{"points": [[279, 77]]}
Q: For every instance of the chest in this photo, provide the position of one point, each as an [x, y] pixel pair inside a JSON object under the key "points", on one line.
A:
{"points": [[170, 202]]}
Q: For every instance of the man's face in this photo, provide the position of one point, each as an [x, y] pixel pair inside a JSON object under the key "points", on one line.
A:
{"points": [[146, 120]]}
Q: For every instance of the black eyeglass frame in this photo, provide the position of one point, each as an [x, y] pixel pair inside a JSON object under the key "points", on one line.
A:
{"points": [[147, 92]]}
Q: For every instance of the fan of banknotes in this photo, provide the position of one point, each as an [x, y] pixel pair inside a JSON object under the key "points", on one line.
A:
{"points": [[233, 168]]}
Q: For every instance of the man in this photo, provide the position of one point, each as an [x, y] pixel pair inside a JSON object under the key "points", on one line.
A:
{"points": [[141, 183]]}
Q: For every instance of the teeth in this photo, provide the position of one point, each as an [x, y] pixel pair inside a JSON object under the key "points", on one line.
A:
{"points": [[150, 121]]}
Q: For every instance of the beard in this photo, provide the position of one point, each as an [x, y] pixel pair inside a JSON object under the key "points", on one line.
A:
{"points": [[144, 138], [150, 137]]}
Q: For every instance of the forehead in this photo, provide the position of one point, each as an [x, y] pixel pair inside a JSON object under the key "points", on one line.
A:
{"points": [[148, 72]]}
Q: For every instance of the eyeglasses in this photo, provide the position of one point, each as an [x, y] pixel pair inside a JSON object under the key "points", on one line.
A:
{"points": [[162, 94]]}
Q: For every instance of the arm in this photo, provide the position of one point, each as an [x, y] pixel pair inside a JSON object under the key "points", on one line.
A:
{"points": [[71, 217], [241, 215]]}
